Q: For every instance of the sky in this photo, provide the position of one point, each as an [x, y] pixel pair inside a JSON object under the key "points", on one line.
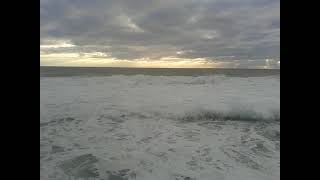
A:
{"points": [[160, 33]]}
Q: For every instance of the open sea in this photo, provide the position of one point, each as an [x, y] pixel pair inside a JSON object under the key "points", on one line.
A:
{"points": [[47, 71]]}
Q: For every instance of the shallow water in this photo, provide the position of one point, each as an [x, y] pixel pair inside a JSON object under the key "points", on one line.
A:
{"points": [[160, 127]]}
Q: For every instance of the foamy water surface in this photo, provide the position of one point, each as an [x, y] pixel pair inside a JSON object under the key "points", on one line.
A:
{"points": [[160, 127]]}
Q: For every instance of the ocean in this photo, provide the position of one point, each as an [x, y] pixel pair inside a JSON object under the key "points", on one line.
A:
{"points": [[175, 124], [47, 71]]}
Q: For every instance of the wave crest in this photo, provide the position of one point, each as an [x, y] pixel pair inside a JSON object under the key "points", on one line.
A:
{"points": [[244, 115]]}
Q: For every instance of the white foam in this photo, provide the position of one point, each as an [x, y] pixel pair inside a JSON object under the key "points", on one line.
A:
{"points": [[132, 122]]}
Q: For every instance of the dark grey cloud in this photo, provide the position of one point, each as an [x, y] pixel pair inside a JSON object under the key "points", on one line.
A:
{"points": [[131, 29]]}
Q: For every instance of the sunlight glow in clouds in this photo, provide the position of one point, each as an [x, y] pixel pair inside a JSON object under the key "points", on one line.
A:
{"points": [[57, 44], [100, 60], [49, 56]]}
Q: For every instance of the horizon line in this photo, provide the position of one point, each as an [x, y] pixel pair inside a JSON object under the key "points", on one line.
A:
{"points": [[160, 67]]}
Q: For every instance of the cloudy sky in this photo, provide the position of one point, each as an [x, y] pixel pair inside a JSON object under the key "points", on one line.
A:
{"points": [[160, 33]]}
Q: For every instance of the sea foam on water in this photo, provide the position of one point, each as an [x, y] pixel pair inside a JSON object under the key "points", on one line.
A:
{"points": [[160, 127]]}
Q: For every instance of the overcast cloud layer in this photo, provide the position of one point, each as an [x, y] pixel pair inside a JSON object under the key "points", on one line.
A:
{"points": [[233, 33]]}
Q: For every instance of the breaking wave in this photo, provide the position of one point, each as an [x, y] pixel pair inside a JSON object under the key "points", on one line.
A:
{"points": [[248, 115]]}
